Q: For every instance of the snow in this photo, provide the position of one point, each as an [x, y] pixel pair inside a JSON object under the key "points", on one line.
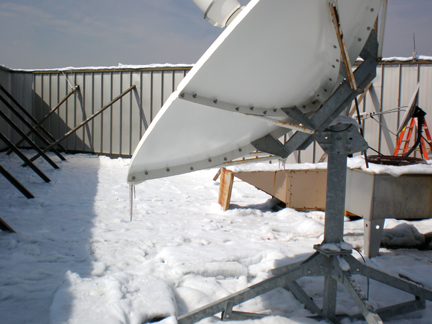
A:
{"points": [[353, 163], [76, 257], [180, 65], [396, 171], [93, 68]]}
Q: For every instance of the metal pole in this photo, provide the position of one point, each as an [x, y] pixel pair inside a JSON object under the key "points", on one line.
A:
{"points": [[49, 114], [16, 183], [24, 158], [30, 117], [335, 199], [85, 122], [19, 131], [27, 124]]}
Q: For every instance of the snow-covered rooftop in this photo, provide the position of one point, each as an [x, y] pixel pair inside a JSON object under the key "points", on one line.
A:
{"points": [[76, 257]]}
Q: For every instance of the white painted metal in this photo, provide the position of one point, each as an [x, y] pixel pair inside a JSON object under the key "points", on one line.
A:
{"points": [[382, 28], [218, 12], [275, 54]]}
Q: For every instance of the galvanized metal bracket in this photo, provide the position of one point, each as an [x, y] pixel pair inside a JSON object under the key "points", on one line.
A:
{"points": [[341, 139], [295, 113]]}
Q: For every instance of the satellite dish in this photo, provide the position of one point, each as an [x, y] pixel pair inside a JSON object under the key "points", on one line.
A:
{"points": [[275, 54], [410, 111], [270, 70], [219, 12]]}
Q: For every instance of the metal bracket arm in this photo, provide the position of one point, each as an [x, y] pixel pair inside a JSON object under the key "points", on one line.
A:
{"points": [[295, 113]]}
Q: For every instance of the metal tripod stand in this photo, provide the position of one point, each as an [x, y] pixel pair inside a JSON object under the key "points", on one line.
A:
{"points": [[333, 259]]}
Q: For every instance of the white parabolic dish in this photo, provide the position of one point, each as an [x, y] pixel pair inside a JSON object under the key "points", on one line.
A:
{"points": [[275, 54]]}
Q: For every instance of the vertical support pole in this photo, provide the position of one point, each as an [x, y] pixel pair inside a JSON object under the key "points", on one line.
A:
{"points": [[335, 199], [334, 221], [330, 294]]}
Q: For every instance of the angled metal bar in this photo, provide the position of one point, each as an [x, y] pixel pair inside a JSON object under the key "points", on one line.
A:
{"points": [[402, 308], [340, 99], [5, 226], [241, 316], [24, 158], [356, 294], [385, 278], [49, 114], [85, 121], [16, 183], [390, 280], [28, 125], [296, 113], [343, 96], [30, 117], [32, 144], [240, 297], [304, 298]]}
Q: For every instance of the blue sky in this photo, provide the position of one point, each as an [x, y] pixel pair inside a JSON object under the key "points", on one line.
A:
{"points": [[60, 33]]}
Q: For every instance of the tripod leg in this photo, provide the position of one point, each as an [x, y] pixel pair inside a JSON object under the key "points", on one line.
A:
{"points": [[303, 298], [356, 294], [385, 278]]}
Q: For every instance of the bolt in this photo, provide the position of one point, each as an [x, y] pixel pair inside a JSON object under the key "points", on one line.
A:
{"points": [[194, 95], [372, 10], [133, 178], [146, 173], [168, 169], [215, 101]]}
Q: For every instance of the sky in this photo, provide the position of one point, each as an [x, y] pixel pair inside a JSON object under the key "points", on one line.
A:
{"points": [[61, 33]]}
